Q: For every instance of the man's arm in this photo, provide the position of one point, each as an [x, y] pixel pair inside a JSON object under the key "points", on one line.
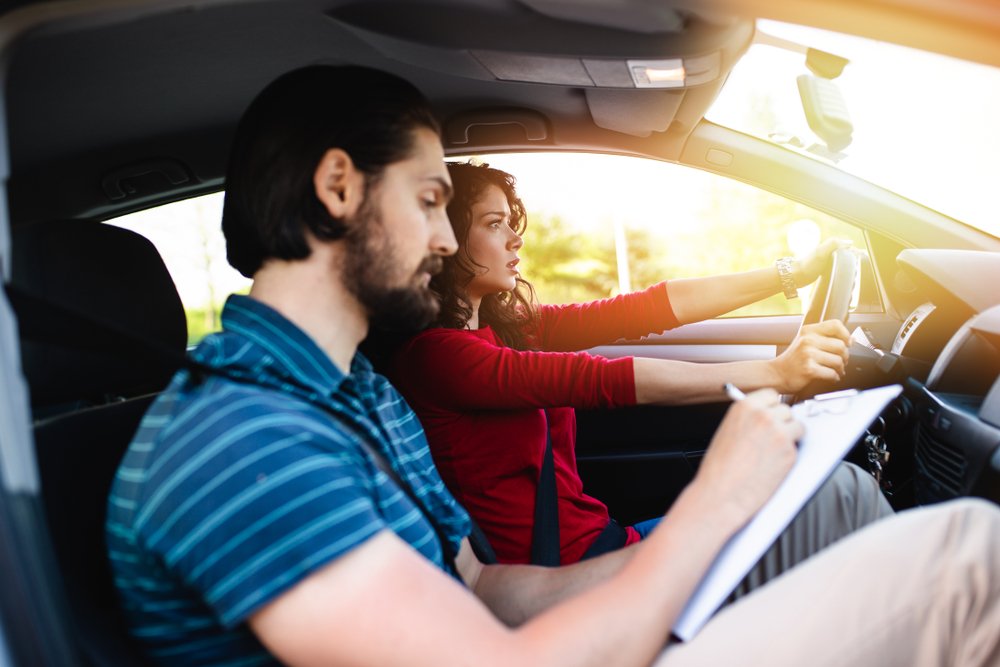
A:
{"points": [[516, 593], [382, 604]]}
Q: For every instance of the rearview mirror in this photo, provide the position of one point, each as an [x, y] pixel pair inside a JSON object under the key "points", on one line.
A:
{"points": [[826, 111]]}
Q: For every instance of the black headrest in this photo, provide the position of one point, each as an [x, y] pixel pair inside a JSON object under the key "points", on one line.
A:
{"points": [[104, 274]]}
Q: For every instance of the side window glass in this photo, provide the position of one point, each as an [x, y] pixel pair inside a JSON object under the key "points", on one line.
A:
{"points": [[188, 235], [600, 225]]}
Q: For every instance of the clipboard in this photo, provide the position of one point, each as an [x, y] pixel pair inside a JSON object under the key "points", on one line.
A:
{"points": [[833, 423]]}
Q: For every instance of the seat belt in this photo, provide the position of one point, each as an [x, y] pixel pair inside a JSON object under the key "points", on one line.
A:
{"points": [[545, 532], [477, 539], [92, 333]]}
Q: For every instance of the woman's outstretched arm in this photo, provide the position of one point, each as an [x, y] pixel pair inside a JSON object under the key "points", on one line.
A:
{"points": [[819, 352], [697, 299]]}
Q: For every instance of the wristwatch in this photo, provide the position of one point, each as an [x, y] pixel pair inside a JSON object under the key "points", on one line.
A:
{"points": [[784, 266]]}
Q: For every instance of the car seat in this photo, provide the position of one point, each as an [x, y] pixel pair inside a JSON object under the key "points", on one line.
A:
{"points": [[96, 310]]}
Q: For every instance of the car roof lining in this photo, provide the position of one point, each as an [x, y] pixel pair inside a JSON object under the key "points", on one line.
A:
{"points": [[202, 66], [203, 61]]}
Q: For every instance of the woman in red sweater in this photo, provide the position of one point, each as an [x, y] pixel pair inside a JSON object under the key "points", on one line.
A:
{"points": [[499, 371]]}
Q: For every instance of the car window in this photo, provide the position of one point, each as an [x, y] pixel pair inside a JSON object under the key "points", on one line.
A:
{"points": [[189, 237], [599, 225], [899, 140]]}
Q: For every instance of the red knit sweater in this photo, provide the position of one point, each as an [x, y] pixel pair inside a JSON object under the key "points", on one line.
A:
{"points": [[481, 406]]}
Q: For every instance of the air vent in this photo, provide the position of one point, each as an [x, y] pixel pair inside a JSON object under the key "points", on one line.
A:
{"points": [[940, 468]]}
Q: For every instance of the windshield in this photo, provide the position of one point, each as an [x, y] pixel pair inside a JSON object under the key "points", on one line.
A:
{"points": [[924, 125]]}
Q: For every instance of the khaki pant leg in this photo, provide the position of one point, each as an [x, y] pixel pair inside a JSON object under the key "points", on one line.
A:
{"points": [[848, 501], [919, 589]]}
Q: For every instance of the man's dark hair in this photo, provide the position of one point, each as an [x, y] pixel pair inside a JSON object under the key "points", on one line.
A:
{"points": [[512, 315], [270, 197]]}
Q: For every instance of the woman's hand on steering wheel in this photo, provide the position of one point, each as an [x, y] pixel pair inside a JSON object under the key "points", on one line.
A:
{"points": [[819, 352], [831, 302], [815, 264]]}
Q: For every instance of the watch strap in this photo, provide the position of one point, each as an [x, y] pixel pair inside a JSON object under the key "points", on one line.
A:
{"points": [[784, 267]]}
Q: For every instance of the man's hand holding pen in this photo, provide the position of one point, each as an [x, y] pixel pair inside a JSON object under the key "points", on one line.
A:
{"points": [[751, 452]]}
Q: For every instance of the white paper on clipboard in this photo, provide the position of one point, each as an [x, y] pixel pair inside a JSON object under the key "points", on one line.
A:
{"points": [[833, 423]]}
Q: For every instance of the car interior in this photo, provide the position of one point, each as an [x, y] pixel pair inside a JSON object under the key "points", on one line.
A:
{"points": [[116, 106]]}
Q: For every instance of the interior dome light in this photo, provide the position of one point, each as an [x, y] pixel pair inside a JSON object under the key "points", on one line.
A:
{"points": [[657, 73]]}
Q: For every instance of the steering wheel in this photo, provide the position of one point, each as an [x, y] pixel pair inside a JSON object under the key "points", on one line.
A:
{"points": [[831, 300]]}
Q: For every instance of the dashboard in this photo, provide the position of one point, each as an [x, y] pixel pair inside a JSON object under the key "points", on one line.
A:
{"points": [[947, 356]]}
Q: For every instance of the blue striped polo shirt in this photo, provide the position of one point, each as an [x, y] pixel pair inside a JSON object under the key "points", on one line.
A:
{"points": [[237, 486]]}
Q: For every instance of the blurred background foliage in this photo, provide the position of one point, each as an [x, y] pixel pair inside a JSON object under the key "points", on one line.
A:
{"points": [[736, 229]]}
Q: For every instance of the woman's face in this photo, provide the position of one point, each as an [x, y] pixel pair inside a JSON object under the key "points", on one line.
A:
{"points": [[492, 245]]}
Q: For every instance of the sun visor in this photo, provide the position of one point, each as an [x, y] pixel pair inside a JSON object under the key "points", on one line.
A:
{"points": [[640, 16], [635, 112], [557, 70]]}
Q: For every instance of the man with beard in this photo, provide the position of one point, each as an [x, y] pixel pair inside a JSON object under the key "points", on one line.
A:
{"points": [[279, 502], [246, 475]]}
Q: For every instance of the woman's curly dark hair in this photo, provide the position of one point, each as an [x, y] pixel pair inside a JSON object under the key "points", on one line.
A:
{"points": [[513, 315]]}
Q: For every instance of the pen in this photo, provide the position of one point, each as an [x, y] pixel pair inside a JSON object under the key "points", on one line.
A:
{"points": [[733, 392]]}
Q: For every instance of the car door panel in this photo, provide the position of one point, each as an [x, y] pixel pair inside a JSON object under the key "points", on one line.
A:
{"points": [[636, 460]]}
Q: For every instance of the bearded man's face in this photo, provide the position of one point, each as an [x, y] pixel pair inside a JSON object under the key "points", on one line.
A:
{"points": [[371, 272]]}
